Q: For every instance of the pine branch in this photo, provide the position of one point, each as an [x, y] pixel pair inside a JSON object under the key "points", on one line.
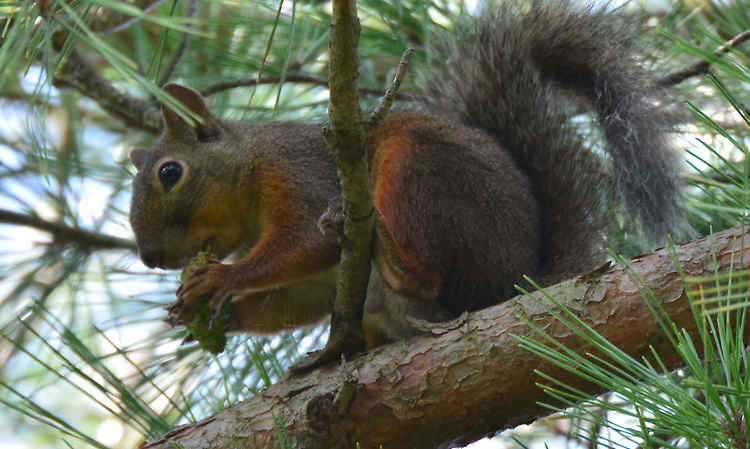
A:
{"points": [[346, 139], [469, 379], [63, 235], [181, 51], [105, 20], [78, 74], [702, 67]]}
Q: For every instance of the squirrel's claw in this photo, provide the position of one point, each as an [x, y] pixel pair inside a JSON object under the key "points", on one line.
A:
{"points": [[173, 307], [174, 319], [331, 223], [216, 280]]}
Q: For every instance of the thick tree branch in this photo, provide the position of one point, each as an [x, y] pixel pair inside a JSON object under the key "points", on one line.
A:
{"points": [[471, 378], [63, 235]]}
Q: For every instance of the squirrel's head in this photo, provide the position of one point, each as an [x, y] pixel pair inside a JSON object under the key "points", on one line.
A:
{"points": [[184, 195]]}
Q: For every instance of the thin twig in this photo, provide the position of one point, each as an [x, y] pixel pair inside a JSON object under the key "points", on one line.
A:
{"points": [[106, 20], [293, 78], [62, 234], [181, 50], [378, 115], [245, 82], [702, 67]]}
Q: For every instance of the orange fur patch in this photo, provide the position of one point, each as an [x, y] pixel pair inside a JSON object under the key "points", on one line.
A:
{"points": [[390, 166], [277, 210]]}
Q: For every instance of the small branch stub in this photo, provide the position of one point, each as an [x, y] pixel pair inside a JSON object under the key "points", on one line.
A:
{"points": [[379, 114]]}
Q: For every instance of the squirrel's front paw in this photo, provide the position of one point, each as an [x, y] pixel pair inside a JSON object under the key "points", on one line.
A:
{"points": [[216, 280], [203, 305]]}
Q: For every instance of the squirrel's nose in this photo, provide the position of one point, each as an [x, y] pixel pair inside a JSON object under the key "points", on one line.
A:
{"points": [[150, 258]]}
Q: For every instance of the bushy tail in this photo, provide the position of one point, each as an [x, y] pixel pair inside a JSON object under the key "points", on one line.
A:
{"points": [[512, 73]]}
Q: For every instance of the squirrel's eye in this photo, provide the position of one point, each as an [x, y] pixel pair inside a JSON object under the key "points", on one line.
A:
{"points": [[169, 174]]}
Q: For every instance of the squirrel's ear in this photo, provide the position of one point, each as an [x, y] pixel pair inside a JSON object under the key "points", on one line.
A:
{"points": [[139, 156], [193, 101]]}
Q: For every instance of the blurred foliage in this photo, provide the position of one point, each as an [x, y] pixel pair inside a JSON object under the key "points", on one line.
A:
{"points": [[83, 350]]}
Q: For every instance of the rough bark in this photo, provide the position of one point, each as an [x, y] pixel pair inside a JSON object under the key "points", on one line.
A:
{"points": [[469, 379]]}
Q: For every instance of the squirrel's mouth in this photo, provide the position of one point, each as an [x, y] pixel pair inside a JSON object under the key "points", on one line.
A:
{"points": [[166, 260], [173, 266]]}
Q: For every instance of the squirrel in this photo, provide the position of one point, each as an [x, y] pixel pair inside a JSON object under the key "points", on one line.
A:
{"points": [[482, 181]]}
